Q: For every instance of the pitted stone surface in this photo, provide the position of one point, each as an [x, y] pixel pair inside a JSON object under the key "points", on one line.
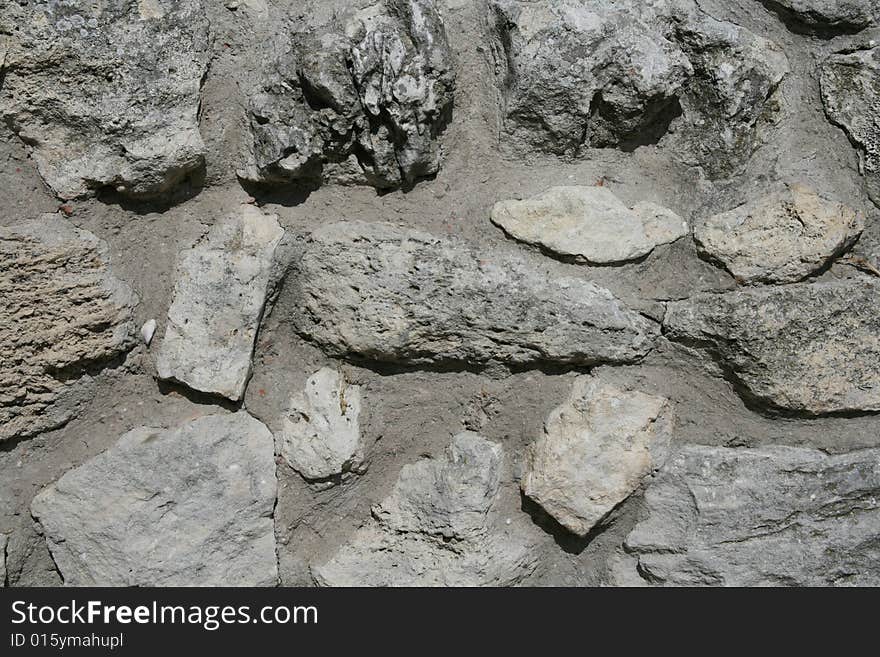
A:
{"points": [[62, 314], [390, 294], [810, 348], [780, 238], [106, 94], [597, 448]]}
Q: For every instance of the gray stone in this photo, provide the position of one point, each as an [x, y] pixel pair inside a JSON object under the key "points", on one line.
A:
{"points": [[780, 238], [320, 435], [62, 315], [360, 96], [219, 297], [107, 93], [851, 94], [592, 74], [772, 516], [437, 528], [826, 15], [731, 102], [390, 294], [190, 506], [589, 224], [3, 541], [597, 448], [811, 348]]}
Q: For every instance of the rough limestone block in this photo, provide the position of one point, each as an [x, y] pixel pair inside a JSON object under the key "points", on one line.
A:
{"points": [[759, 517], [106, 93], [392, 294], [780, 238], [811, 348], [62, 315], [190, 506], [357, 97], [581, 74], [851, 94], [436, 528], [597, 448], [219, 297]]}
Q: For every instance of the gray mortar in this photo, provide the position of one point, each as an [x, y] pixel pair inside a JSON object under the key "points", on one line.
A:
{"points": [[411, 413]]}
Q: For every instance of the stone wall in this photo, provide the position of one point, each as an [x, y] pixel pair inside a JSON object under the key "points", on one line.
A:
{"points": [[439, 292]]}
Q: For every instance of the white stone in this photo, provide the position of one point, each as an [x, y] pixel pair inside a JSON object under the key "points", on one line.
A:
{"points": [[597, 448], [190, 506], [780, 238], [320, 435], [147, 331], [589, 224], [221, 291]]}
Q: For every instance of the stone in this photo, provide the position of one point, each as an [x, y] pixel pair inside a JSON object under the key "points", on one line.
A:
{"points": [[360, 96], [783, 237], [812, 348], [597, 449], [769, 516], [3, 542], [732, 101], [106, 94], [63, 316], [850, 84], [436, 528], [148, 330], [587, 74], [589, 224], [826, 15], [320, 435], [219, 297], [189, 506], [384, 293]]}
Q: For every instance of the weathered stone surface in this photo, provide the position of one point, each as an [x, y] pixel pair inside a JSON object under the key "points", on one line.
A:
{"points": [[851, 94], [320, 435], [780, 238], [760, 517], [62, 313], [812, 348], [391, 294], [731, 100], [827, 15], [107, 93], [594, 74], [219, 296], [597, 448], [589, 224], [436, 528], [3, 541], [190, 506], [359, 98]]}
